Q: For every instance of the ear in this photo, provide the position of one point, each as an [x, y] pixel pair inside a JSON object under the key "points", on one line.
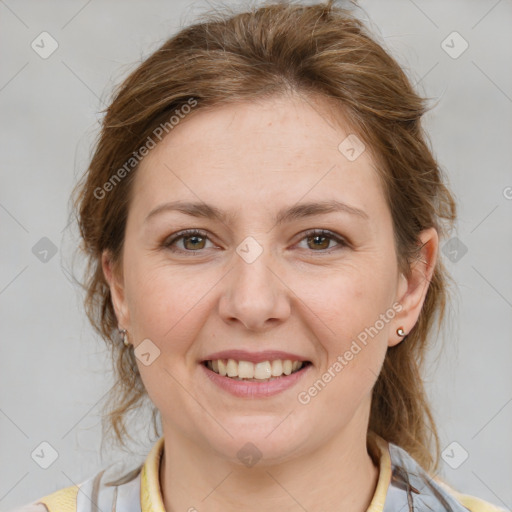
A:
{"points": [[413, 290], [115, 282]]}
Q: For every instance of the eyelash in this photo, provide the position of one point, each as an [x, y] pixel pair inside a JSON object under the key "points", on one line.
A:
{"points": [[197, 232]]}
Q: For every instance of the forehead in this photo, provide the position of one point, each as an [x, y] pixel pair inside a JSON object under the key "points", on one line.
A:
{"points": [[248, 156]]}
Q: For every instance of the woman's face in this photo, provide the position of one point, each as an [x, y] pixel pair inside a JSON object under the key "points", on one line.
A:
{"points": [[255, 280]]}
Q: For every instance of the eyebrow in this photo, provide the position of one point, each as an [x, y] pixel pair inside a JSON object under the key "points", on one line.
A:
{"points": [[298, 211]]}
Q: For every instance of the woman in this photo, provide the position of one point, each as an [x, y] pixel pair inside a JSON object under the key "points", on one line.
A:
{"points": [[262, 217]]}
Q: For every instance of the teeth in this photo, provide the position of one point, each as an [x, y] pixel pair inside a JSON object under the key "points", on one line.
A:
{"points": [[245, 370], [263, 370], [277, 368], [222, 368], [232, 368]]}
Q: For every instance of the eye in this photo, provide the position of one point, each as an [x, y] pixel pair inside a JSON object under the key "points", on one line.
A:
{"points": [[321, 238], [193, 240]]}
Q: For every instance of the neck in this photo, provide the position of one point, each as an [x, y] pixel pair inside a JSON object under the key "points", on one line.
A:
{"points": [[339, 475]]}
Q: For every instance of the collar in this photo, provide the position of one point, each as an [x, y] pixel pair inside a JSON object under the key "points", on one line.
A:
{"points": [[151, 495], [379, 451]]}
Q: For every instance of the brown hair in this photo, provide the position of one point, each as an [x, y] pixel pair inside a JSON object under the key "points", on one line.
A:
{"points": [[320, 50]]}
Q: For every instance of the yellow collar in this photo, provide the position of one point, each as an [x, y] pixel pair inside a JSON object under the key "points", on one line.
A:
{"points": [[379, 448], [151, 495]]}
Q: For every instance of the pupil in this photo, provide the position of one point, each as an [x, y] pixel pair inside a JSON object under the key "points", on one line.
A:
{"points": [[317, 237], [194, 237]]}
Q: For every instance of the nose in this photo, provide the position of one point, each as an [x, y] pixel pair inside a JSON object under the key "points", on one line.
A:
{"points": [[255, 293]]}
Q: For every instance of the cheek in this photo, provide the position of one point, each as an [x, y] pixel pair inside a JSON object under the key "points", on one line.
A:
{"points": [[346, 299], [346, 311], [167, 303]]}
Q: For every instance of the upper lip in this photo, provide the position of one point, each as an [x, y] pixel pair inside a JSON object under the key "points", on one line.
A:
{"points": [[254, 357]]}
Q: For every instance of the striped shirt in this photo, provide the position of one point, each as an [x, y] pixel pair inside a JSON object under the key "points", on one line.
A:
{"points": [[402, 485]]}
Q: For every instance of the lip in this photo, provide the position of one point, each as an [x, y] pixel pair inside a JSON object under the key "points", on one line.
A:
{"points": [[253, 357], [250, 389]]}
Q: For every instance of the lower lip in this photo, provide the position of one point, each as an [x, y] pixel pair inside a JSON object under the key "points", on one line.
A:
{"points": [[251, 389]]}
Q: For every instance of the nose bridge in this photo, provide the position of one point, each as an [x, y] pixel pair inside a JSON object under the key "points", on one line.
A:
{"points": [[255, 293], [253, 261]]}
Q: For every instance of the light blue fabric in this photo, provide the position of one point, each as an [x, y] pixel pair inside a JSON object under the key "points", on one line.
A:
{"points": [[412, 489]]}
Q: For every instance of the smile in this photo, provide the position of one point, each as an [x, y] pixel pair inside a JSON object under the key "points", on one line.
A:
{"points": [[245, 379], [253, 372]]}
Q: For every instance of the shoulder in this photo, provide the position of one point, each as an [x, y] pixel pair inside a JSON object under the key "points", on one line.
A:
{"points": [[472, 503], [62, 500], [411, 484], [98, 492]]}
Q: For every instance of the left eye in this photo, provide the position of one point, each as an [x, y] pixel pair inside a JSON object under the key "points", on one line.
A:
{"points": [[194, 240], [322, 238]]}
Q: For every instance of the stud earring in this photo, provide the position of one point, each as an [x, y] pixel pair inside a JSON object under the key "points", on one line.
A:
{"points": [[400, 331]]}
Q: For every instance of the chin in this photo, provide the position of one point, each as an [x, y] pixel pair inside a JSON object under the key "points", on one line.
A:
{"points": [[257, 442]]}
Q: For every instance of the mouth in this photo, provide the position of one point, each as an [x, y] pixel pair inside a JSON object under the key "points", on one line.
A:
{"points": [[263, 371]]}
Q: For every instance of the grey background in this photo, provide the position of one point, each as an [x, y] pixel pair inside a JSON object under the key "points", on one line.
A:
{"points": [[54, 371]]}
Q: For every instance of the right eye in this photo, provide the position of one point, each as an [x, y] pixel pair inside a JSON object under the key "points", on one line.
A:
{"points": [[194, 238]]}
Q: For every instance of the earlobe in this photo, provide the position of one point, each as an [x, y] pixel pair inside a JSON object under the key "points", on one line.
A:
{"points": [[413, 290], [116, 285]]}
